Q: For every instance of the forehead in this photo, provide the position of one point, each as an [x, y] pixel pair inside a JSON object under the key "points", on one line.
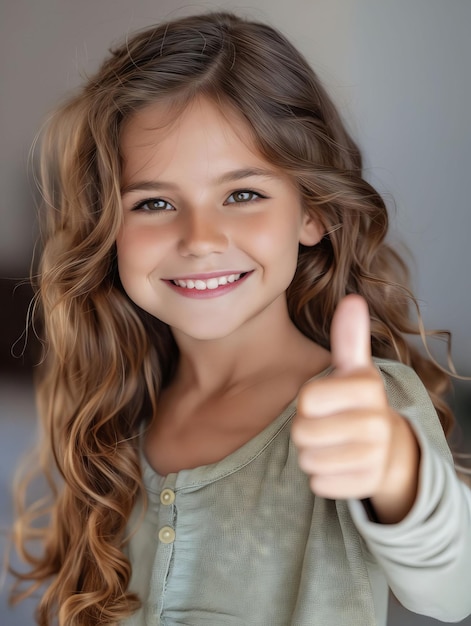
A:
{"points": [[160, 135]]}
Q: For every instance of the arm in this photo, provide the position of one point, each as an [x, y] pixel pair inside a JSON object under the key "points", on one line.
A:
{"points": [[363, 435], [425, 557]]}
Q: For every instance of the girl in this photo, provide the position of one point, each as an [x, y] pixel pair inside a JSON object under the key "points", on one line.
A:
{"points": [[221, 446]]}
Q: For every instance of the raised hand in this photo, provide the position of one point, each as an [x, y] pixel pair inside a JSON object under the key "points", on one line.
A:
{"points": [[351, 443]]}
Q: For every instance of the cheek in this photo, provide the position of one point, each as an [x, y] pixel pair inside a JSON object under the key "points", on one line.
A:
{"points": [[277, 242], [128, 269], [134, 260], [125, 247], [134, 266], [136, 236], [139, 247]]}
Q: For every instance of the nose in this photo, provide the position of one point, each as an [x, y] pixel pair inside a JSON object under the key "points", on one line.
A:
{"points": [[202, 234]]}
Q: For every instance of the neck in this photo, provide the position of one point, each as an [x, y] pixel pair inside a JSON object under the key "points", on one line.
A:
{"points": [[265, 347]]}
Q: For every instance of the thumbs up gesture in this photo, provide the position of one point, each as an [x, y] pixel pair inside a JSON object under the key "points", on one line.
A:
{"points": [[350, 441]]}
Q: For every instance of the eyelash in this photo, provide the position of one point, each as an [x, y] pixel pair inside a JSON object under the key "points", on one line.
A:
{"points": [[255, 195], [142, 204]]}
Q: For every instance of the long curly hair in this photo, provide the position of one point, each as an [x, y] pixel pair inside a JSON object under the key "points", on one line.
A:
{"points": [[105, 360]]}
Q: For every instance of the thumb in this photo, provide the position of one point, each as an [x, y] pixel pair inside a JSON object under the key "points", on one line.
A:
{"points": [[350, 339]]}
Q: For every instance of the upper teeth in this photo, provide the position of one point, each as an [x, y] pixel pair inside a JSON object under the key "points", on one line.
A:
{"points": [[211, 283]]}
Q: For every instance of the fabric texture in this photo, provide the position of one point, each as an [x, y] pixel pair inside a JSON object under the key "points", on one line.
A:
{"points": [[244, 542]]}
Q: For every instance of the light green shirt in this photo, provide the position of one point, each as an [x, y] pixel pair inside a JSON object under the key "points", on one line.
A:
{"points": [[244, 542]]}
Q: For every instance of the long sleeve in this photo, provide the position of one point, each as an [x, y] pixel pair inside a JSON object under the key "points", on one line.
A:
{"points": [[426, 557]]}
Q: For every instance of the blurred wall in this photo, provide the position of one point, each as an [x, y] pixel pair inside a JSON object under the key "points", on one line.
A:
{"points": [[399, 70]]}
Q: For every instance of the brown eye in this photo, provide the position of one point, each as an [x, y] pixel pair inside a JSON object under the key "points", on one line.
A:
{"points": [[244, 195], [153, 204]]}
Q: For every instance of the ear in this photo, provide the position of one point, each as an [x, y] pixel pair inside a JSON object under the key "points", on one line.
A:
{"points": [[311, 231]]}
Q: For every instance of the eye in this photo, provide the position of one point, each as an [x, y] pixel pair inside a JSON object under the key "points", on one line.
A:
{"points": [[153, 204], [243, 195]]}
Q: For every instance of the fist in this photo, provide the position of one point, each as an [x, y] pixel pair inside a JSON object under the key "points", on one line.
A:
{"points": [[351, 443]]}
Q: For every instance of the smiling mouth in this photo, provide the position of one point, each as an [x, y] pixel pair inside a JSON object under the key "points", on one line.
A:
{"points": [[210, 283]]}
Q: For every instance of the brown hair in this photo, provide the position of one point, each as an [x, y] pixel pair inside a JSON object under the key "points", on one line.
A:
{"points": [[105, 359]]}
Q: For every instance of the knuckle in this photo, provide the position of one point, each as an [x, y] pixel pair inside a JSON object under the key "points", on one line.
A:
{"points": [[306, 399], [306, 461], [300, 431], [377, 426]]}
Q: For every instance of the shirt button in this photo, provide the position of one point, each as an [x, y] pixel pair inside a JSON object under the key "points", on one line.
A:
{"points": [[167, 534], [167, 496]]}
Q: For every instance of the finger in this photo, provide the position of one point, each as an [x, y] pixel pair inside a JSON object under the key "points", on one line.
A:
{"points": [[357, 485], [350, 338], [361, 425], [345, 459], [331, 395]]}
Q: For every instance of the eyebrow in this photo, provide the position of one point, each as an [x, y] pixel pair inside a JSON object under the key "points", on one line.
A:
{"points": [[233, 175]]}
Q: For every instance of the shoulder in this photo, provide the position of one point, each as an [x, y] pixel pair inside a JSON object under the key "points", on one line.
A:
{"points": [[408, 396], [403, 385]]}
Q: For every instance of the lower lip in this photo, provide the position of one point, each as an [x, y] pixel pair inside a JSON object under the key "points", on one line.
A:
{"points": [[201, 294]]}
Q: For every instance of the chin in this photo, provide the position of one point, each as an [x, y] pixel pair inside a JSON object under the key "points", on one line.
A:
{"points": [[204, 332]]}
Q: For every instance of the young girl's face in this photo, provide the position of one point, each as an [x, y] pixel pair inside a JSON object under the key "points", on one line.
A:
{"points": [[210, 233]]}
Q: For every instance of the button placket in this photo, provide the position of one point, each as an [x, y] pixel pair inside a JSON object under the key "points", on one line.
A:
{"points": [[166, 533]]}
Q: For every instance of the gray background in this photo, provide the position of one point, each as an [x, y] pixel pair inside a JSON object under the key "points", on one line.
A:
{"points": [[399, 70]]}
